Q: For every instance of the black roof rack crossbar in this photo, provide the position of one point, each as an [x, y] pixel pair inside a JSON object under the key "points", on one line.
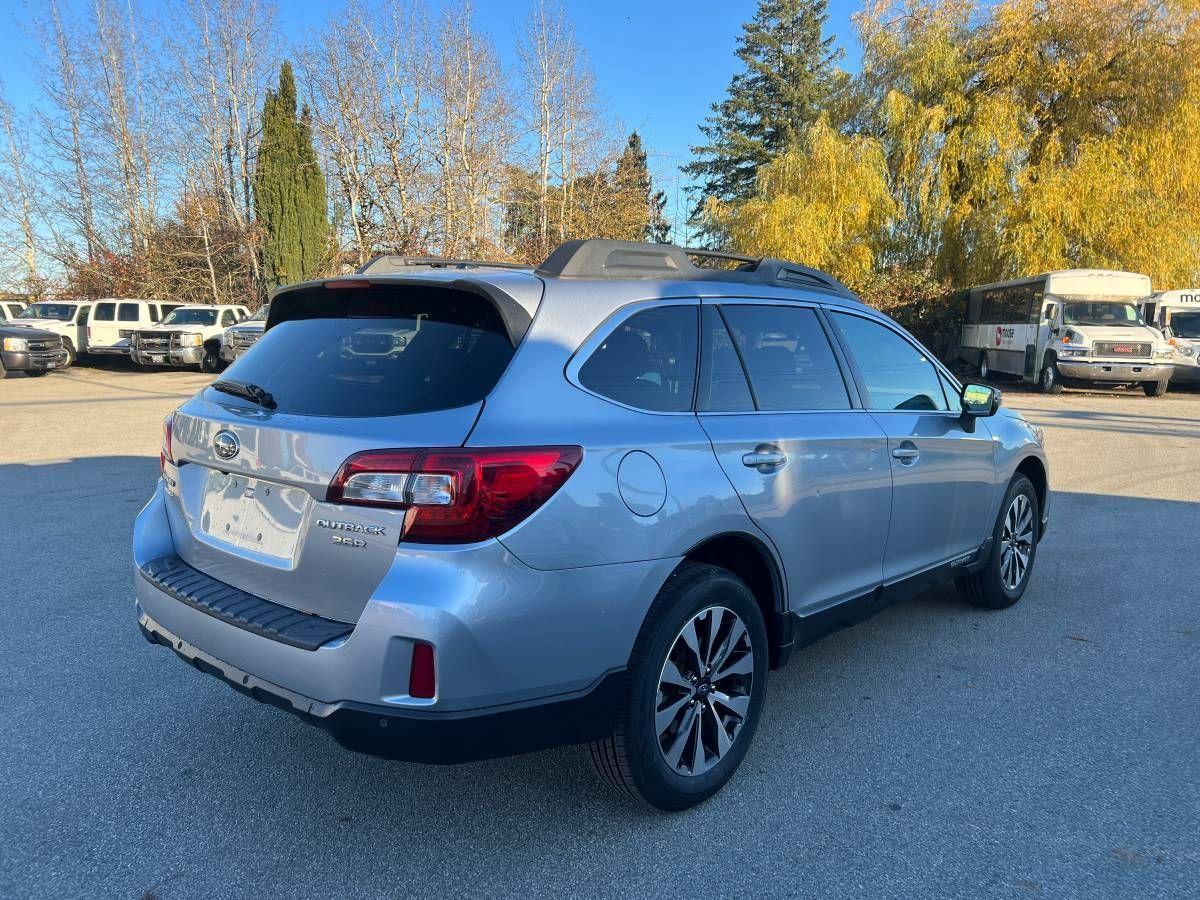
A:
{"points": [[720, 254], [395, 262]]}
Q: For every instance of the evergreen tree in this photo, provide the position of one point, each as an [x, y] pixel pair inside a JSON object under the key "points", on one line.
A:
{"points": [[289, 190], [790, 73], [639, 206]]}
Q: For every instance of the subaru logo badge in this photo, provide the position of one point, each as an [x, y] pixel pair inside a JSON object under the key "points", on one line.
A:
{"points": [[226, 444]]}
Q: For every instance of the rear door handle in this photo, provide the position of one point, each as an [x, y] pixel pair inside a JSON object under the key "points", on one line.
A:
{"points": [[764, 458], [907, 453]]}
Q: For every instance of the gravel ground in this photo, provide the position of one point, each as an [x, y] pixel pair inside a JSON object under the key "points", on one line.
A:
{"points": [[1046, 750]]}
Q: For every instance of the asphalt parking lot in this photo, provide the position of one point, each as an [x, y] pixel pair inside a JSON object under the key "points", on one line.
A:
{"points": [[1046, 750]]}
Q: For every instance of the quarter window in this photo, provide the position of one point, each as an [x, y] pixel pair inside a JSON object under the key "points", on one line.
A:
{"points": [[648, 361], [895, 373], [788, 358], [104, 311]]}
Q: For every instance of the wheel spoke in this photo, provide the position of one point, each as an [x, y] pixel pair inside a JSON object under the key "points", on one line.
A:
{"points": [[736, 632], [698, 744], [692, 640], [665, 716], [738, 704], [743, 665], [672, 676], [681, 736], [723, 741], [716, 618]]}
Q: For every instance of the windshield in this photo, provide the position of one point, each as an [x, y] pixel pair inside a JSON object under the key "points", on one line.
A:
{"points": [[1118, 315], [260, 316], [1186, 325], [191, 317], [63, 312]]}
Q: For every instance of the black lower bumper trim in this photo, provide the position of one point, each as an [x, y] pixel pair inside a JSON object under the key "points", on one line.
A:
{"points": [[173, 576], [429, 736]]}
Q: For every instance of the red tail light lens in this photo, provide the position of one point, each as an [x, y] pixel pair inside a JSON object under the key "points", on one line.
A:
{"points": [[459, 495], [167, 453], [422, 677]]}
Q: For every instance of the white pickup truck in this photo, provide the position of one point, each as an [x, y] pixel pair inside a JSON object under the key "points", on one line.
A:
{"points": [[188, 336], [67, 318]]}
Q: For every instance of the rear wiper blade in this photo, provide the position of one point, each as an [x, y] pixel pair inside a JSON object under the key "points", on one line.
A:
{"points": [[251, 392]]}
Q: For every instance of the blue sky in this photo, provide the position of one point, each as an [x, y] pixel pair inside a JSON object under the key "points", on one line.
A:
{"points": [[659, 64]]}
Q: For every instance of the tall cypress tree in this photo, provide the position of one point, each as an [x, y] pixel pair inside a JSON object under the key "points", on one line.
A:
{"points": [[790, 73], [289, 190], [640, 207]]}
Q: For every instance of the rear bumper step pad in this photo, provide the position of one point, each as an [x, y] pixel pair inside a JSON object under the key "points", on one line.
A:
{"points": [[173, 576]]}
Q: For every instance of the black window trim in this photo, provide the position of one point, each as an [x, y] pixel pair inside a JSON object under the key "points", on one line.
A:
{"points": [[938, 368], [848, 382], [610, 324]]}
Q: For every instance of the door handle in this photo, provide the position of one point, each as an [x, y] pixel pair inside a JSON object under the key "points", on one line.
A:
{"points": [[907, 453], [765, 458]]}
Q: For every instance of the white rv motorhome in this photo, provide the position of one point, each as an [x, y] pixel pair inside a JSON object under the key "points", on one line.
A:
{"points": [[1177, 315], [1078, 324]]}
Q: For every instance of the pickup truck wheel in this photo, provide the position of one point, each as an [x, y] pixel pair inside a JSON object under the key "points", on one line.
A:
{"points": [[1003, 579], [1155, 388], [694, 694], [211, 363], [71, 354]]}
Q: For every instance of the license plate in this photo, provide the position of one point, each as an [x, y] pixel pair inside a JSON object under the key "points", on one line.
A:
{"points": [[157, 358], [253, 515]]}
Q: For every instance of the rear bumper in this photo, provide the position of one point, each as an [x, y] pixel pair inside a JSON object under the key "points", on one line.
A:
{"points": [[1115, 371], [425, 736], [24, 361]]}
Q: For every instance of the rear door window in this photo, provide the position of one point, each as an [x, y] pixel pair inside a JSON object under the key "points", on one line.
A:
{"points": [[105, 312], [410, 352], [723, 385], [648, 361], [788, 358], [126, 312]]}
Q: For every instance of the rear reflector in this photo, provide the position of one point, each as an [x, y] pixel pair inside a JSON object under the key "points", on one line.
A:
{"points": [[422, 680], [458, 495]]}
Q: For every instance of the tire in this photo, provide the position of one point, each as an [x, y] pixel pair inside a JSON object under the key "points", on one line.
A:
{"points": [[991, 587], [1049, 380], [1155, 388], [985, 371], [211, 363], [72, 356], [635, 758]]}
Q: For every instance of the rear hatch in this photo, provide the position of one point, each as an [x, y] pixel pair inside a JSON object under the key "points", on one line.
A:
{"points": [[344, 367]]}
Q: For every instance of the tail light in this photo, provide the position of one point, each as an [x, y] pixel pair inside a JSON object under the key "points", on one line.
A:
{"points": [[166, 454], [457, 495]]}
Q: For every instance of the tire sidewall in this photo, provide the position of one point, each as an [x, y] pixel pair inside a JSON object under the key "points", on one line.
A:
{"points": [[1049, 379], [656, 781], [1019, 485]]}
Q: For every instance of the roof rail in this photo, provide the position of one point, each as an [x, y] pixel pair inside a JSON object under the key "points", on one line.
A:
{"points": [[388, 263], [602, 258]]}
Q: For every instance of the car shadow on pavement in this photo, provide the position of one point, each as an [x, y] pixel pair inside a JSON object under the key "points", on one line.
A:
{"points": [[889, 735]]}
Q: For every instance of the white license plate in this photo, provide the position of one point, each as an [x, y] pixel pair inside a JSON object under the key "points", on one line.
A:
{"points": [[253, 515]]}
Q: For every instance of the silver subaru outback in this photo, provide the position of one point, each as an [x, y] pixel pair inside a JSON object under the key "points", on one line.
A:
{"points": [[593, 501]]}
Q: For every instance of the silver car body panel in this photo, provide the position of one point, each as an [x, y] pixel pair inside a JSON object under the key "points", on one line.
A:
{"points": [[557, 602]]}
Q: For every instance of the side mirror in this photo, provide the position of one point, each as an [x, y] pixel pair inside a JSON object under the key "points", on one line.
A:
{"points": [[978, 401]]}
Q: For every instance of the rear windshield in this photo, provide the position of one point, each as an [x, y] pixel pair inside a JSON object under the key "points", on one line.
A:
{"points": [[435, 350]]}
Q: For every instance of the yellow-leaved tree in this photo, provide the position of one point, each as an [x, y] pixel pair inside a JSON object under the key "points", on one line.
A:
{"points": [[824, 201]]}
